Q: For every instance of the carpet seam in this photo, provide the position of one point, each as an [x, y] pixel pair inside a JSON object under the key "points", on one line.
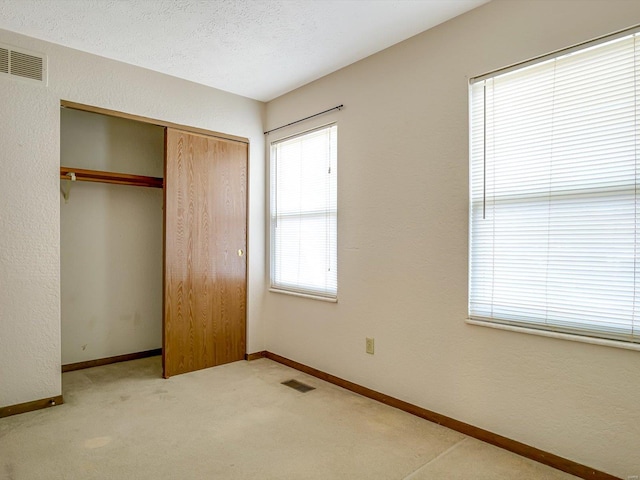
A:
{"points": [[437, 457]]}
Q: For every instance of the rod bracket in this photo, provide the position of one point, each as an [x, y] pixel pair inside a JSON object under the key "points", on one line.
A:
{"points": [[65, 193]]}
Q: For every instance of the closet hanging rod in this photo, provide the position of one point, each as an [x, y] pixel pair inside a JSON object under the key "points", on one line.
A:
{"points": [[83, 175], [339, 107]]}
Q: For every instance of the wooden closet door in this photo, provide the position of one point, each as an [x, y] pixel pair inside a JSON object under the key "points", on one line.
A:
{"points": [[205, 252]]}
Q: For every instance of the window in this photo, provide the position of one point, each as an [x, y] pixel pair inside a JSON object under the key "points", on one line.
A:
{"points": [[304, 212], [554, 204]]}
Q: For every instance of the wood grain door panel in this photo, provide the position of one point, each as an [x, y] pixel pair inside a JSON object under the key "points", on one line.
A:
{"points": [[204, 274]]}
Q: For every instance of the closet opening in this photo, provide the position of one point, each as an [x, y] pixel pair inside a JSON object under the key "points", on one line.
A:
{"points": [[111, 238]]}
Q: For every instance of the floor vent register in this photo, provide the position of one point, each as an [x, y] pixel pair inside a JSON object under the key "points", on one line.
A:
{"points": [[299, 386]]}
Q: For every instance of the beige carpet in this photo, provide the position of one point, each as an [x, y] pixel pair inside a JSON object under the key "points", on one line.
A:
{"points": [[236, 421]]}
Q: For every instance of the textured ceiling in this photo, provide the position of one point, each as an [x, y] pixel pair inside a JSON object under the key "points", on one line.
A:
{"points": [[257, 48]]}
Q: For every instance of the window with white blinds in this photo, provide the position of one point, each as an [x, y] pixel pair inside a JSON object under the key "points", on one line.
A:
{"points": [[304, 212], [555, 213]]}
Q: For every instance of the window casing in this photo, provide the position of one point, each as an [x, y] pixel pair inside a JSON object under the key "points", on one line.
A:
{"points": [[554, 204], [304, 213]]}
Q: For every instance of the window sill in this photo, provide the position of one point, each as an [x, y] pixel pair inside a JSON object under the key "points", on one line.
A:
{"points": [[305, 295], [562, 336]]}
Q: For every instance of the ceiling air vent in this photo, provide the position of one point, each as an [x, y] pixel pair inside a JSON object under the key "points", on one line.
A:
{"points": [[20, 63]]}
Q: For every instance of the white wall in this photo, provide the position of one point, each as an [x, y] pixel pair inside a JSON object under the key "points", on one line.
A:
{"points": [[30, 329], [110, 239], [403, 228]]}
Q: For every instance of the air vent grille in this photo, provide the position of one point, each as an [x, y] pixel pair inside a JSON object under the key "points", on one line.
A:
{"points": [[299, 386], [23, 64], [27, 66], [4, 60]]}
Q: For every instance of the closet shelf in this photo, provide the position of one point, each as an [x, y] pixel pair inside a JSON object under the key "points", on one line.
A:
{"points": [[111, 177]]}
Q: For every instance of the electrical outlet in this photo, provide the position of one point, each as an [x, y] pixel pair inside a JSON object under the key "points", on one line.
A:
{"points": [[370, 345], [632, 477]]}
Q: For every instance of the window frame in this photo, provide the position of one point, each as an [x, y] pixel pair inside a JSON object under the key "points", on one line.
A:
{"points": [[575, 334], [289, 134]]}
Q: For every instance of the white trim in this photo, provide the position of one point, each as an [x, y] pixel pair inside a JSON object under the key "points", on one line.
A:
{"points": [[305, 295], [558, 335]]}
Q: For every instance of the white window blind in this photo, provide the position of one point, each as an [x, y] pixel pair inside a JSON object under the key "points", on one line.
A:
{"points": [[304, 211], [554, 214]]}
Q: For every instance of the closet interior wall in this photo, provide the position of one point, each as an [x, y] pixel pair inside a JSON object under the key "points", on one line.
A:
{"points": [[110, 239]]}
